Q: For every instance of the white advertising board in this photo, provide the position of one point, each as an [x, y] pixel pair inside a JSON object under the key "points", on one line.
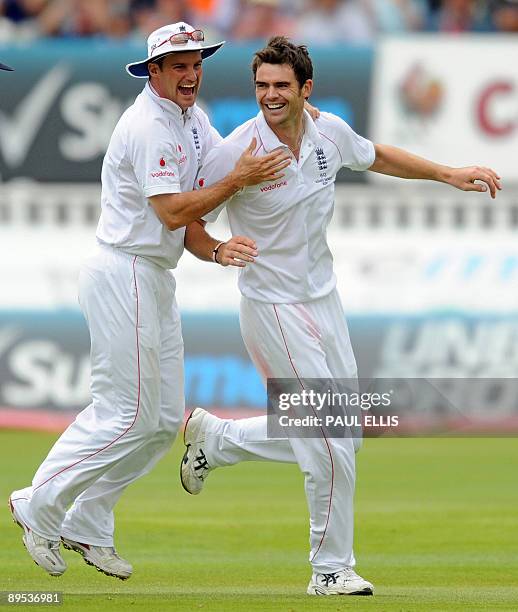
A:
{"points": [[453, 99]]}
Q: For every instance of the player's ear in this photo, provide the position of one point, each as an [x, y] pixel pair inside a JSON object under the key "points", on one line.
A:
{"points": [[307, 88]]}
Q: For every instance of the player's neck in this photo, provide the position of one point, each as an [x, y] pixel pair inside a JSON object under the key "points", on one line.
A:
{"points": [[291, 135]]}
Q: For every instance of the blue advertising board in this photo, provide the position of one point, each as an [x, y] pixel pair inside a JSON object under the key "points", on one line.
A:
{"points": [[44, 356], [58, 109]]}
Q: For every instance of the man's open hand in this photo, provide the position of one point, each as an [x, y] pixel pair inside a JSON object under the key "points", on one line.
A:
{"points": [[312, 110], [252, 170]]}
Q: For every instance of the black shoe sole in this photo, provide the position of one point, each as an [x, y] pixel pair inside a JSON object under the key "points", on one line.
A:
{"points": [[362, 593], [186, 453], [186, 424]]}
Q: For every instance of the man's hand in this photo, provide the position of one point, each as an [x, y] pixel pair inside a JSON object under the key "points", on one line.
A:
{"points": [[464, 178], [251, 170], [312, 110], [238, 251]]}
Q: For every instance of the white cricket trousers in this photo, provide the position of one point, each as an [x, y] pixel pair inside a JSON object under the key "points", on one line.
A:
{"points": [[307, 340], [137, 400]]}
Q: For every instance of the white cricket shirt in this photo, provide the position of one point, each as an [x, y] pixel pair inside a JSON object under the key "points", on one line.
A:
{"points": [[155, 149], [288, 218]]}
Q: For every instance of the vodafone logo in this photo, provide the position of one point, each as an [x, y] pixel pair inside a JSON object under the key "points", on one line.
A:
{"points": [[201, 182], [162, 173], [274, 186], [179, 147]]}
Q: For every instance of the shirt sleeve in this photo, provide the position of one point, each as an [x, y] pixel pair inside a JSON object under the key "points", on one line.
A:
{"points": [[218, 163], [357, 152], [154, 159], [214, 138]]}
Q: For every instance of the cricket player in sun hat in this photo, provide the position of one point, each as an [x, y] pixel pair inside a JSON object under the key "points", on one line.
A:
{"points": [[127, 294], [291, 316]]}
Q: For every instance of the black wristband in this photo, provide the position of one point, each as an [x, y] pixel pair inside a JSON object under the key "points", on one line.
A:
{"points": [[215, 252]]}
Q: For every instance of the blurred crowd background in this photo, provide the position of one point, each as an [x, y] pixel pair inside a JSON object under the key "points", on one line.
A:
{"points": [[311, 21]]}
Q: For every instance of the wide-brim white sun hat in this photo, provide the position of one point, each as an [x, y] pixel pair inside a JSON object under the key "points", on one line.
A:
{"points": [[162, 42]]}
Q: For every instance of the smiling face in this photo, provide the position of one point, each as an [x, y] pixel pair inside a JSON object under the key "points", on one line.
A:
{"points": [[178, 78], [279, 95]]}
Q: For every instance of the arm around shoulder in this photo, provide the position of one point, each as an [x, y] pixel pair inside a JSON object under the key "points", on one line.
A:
{"points": [[177, 210]]}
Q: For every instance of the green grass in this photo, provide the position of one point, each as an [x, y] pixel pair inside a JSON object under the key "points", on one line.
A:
{"points": [[436, 529]]}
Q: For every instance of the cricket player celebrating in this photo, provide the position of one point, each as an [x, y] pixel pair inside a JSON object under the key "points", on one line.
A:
{"points": [[291, 317], [127, 295]]}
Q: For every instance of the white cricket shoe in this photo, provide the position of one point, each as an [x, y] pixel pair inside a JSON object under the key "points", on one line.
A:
{"points": [[344, 582], [195, 468], [44, 553], [104, 558]]}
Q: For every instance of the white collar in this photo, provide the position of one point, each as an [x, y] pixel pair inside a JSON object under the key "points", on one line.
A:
{"points": [[168, 106], [269, 139]]}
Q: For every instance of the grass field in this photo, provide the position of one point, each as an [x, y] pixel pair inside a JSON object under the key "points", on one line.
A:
{"points": [[436, 529]]}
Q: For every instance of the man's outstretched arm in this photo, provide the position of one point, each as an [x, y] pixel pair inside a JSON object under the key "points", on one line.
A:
{"points": [[398, 162]]}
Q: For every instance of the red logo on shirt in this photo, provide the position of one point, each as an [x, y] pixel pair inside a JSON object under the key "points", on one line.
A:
{"points": [[274, 186], [180, 148], [162, 162], [201, 182]]}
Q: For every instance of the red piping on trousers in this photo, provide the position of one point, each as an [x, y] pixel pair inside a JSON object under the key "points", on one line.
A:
{"points": [[323, 434], [138, 394]]}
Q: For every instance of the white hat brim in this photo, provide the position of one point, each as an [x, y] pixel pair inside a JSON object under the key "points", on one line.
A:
{"points": [[139, 69]]}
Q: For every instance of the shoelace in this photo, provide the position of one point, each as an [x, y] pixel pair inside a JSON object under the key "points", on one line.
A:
{"points": [[116, 555], [53, 545], [108, 551]]}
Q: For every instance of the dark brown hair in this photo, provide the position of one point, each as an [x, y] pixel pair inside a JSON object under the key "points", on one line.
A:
{"points": [[279, 50], [158, 60]]}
